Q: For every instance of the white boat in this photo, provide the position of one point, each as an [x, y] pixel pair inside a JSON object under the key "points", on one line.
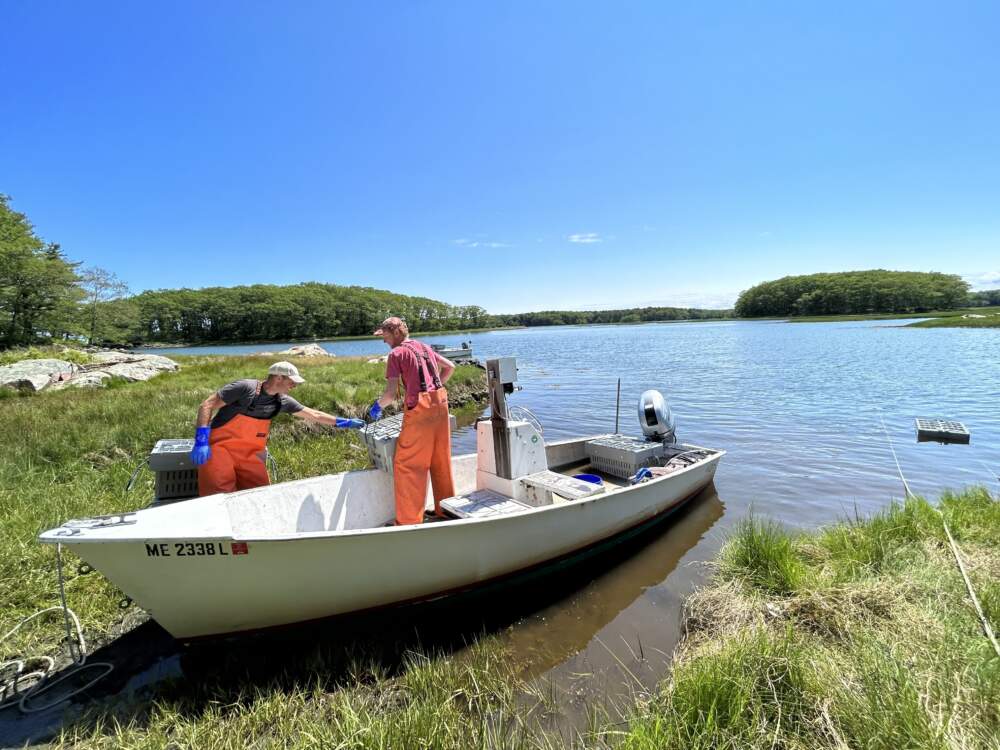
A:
{"points": [[316, 548], [461, 353]]}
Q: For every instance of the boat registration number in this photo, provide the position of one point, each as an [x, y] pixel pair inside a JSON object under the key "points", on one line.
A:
{"points": [[195, 549]]}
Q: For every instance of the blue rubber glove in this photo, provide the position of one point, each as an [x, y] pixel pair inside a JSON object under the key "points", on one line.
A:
{"points": [[350, 424], [201, 452], [642, 475], [375, 411]]}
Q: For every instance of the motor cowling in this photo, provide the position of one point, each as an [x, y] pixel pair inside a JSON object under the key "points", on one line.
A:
{"points": [[655, 417]]}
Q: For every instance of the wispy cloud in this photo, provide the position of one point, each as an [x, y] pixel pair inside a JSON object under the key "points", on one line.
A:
{"points": [[465, 242], [983, 279], [585, 238]]}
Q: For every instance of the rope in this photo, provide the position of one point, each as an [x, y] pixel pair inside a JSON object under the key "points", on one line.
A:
{"points": [[906, 487], [11, 691], [987, 629]]}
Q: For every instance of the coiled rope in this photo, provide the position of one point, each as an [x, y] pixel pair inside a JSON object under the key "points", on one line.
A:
{"points": [[987, 629], [42, 680]]}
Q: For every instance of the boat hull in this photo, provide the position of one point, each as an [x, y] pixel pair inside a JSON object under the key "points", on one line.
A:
{"points": [[209, 585]]}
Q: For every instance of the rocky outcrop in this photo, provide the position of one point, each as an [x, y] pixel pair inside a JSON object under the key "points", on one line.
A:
{"points": [[55, 374], [305, 350], [36, 374], [94, 379]]}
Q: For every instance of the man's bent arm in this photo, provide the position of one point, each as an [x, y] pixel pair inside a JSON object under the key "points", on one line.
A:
{"points": [[446, 366], [389, 394], [209, 405]]}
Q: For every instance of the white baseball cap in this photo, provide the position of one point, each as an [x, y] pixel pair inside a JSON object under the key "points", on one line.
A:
{"points": [[288, 370]]}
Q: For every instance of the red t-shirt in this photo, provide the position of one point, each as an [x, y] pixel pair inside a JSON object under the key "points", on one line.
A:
{"points": [[404, 363]]}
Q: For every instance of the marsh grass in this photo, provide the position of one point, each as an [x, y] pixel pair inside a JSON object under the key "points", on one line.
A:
{"points": [[433, 701], [870, 643], [760, 553], [67, 354]]}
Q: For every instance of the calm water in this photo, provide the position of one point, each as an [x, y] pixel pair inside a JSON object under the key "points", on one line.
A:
{"points": [[799, 408]]}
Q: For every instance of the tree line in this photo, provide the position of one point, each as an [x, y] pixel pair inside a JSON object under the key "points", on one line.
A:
{"points": [[854, 292], [45, 296], [588, 317]]}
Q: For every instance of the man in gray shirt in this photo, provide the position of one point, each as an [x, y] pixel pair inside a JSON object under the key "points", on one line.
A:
{"points": [[231, 454]]}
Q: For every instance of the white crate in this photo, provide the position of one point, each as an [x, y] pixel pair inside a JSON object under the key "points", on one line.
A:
{"points": [[482, 504], [622, 456], [540, 487]]}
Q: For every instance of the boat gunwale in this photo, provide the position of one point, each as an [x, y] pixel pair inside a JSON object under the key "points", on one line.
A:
{"points": [[714, 457]]}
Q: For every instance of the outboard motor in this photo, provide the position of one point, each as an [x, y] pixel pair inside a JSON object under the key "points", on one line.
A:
{"points": [[656, 419]]}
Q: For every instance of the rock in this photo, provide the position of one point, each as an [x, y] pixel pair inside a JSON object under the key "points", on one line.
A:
{"points": [[378, 360], [36, 374], [142, 369], [117, 357], [82, 380], [305, 350]]}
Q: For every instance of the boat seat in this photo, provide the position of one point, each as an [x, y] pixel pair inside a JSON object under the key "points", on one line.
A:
{"points": [[482, 504], [568, 488]]}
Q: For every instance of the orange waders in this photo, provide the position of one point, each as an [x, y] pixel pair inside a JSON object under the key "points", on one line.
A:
{"points": [[424, 445], [239, 453]]}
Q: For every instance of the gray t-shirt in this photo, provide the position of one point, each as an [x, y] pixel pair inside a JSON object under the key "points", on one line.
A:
{"points": [[241, 397]]}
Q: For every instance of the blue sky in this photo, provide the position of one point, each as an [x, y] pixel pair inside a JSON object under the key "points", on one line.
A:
{"points": [[520, 156]]}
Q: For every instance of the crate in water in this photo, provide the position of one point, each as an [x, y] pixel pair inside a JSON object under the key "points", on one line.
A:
{"points": [[622, 456], [941, 430]]}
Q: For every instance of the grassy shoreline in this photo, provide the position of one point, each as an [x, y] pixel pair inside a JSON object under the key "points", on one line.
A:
{"points": [[935, 318], [855, 635]]}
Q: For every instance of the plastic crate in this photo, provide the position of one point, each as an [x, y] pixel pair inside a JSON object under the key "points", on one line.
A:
{"points": [[176, 484], [380, 439], [622, 456], [941, 430]]}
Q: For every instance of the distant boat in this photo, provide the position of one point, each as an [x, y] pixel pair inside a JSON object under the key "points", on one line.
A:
{"points": [[461, 353]]}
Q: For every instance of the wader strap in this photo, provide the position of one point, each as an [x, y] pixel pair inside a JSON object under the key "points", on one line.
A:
{"points": [[428, 368], [256, 395]]}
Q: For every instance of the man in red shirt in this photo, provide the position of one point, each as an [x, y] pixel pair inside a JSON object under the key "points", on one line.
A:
{"points": [[424, 443]]}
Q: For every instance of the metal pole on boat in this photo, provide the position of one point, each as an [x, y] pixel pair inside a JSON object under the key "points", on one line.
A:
{"points": [[618, 403]]}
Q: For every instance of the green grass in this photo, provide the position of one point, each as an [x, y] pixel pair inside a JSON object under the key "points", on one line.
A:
{"points": [[959, 319], [936, 318], [76, 356], [429, 702], [856, 636], [69, 454]]}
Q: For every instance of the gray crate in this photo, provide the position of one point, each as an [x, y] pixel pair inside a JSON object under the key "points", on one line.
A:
{"points": [[380, 440], [174, 485], [622, 456], [171, 455], [175, 476]]}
